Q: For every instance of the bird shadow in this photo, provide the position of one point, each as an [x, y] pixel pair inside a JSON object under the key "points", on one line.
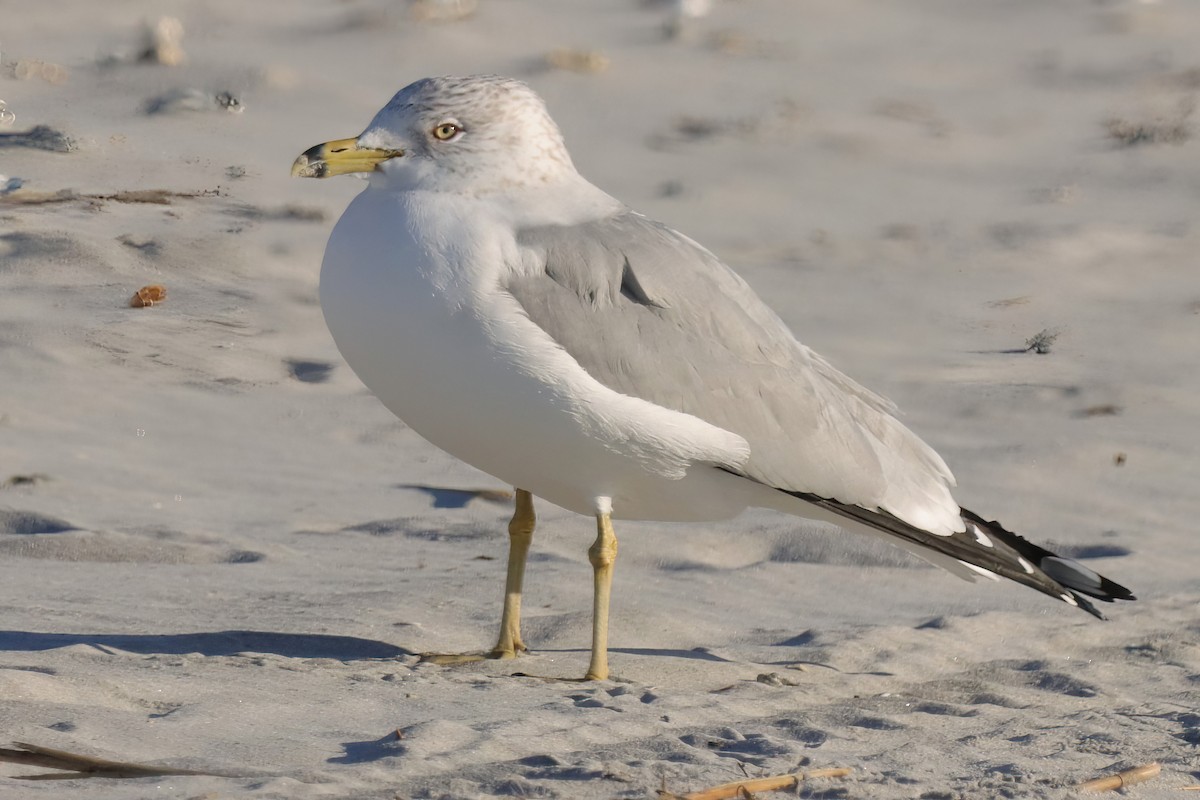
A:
{"points": [[387, 746], [214, 643], [392, 745], [695, 654], [698, 654], [446, 497]]}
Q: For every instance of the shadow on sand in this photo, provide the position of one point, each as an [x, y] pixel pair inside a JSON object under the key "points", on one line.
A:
{"points": [[387, 746], [216, 643]]}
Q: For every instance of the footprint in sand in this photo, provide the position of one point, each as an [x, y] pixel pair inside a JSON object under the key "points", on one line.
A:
{"points": [[29, 534]]}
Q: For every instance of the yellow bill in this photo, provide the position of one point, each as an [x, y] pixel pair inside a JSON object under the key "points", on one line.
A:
{"points": [[339, 157]]}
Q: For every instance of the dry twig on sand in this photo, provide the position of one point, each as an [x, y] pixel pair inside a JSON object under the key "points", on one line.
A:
{"points": [[80, 766], [747, 787], [1125, 778], [1040, 342], [160, 197]]}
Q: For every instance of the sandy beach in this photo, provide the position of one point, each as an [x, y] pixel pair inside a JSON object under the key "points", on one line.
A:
{"points": [[220, 553]]}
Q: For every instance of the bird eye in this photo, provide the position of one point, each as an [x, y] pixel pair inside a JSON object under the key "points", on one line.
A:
{"points": [[446, 131]]}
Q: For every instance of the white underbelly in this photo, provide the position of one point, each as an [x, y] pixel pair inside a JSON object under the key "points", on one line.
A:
{"points": [[438, 370]]}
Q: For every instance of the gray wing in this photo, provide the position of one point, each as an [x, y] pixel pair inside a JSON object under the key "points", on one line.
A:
{"points": [[649, 313]]}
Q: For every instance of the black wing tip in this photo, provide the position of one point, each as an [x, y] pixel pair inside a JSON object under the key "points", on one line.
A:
{"points": [[1087, 606], [1101, 588], [1113, 591], [1053, 575]]}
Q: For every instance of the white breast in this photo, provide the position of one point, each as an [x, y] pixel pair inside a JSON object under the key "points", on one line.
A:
{"points": [[423, 326]]}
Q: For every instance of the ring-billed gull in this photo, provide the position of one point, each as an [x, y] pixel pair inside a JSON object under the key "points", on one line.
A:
{"points": [[521, 319]]}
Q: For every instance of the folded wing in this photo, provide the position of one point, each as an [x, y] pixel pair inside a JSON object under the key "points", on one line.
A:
{"points": [[649, 313]]}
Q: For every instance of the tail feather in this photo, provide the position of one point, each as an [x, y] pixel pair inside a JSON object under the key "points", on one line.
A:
{"points": [[987, 546]]}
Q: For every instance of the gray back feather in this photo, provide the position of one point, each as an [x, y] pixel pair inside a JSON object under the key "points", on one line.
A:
{"points": [[649, 313]]}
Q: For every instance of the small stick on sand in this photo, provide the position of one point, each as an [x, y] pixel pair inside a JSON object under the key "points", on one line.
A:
{"points": [[81, 766], [1126, 778], [746, 788], [161, 197]]}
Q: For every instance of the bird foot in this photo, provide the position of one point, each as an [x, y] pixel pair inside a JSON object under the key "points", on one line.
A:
{"points": [[502, 654], [556, 679], [451, 659]]}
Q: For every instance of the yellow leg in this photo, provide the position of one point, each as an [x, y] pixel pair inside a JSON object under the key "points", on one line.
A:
{"points": [[602, 554], [520, 535]]}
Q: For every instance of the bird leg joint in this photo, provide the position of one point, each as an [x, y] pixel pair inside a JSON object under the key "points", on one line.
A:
{"points": [[603, 552]]}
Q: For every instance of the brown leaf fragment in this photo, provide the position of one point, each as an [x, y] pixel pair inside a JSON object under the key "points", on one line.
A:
{"points": [[149, 295]]}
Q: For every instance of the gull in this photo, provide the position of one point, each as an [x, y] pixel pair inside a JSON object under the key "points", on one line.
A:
{"points": [[531, 325]]}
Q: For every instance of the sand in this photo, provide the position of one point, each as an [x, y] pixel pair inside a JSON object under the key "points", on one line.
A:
{"points": [[219, 552]]}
